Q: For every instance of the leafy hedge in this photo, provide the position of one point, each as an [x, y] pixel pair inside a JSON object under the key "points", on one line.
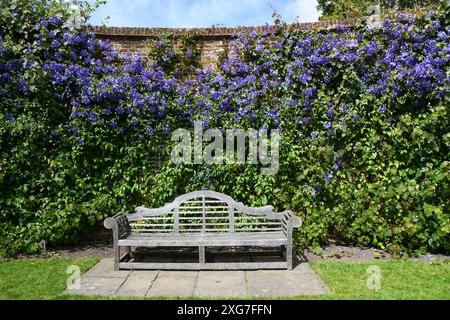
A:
{"points": [[363, 114]]}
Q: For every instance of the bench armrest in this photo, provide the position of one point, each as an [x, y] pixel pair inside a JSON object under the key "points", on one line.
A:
{"points": [[295, 221], [291, 221], [119, 225]]}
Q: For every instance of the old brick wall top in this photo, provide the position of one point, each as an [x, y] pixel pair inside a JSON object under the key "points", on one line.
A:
{"points": [[212, 41]]}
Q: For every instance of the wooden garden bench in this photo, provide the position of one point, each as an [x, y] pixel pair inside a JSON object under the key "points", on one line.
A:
{"points": [[202, 219]]}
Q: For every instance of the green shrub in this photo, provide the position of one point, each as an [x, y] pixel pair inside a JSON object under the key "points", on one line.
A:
{"points": [[363, 115]]}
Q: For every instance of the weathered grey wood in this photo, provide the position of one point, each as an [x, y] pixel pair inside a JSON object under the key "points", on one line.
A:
{"points": [[142, 225], [206, 266], [289, 254], [203, 218], [208, 239], [257, 229], [115, 223], [206, 218], [293, 222], [141, 212], [198, 229], [176, 220], [133, 225], [203, 214], [259, 224], [231, 219], [193, 213], [199, 210], [202, 255], [153, 230]]}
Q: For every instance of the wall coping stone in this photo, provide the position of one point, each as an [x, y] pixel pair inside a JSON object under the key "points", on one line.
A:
{"points": [[216, 31]]}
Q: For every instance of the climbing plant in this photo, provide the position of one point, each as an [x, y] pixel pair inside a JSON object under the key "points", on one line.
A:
{"points": [[362, 113]]}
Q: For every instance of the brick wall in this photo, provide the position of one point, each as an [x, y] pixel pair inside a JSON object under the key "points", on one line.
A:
{"points": [[212, 41]]}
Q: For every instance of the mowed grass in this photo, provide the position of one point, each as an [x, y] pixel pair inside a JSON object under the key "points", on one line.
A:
{"points": [[38, 278], [398, 280], [46, 279]]}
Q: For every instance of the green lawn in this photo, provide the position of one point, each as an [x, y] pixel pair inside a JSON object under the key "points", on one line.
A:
{"points": [[46, 279], [37, 279], [399, 280]]}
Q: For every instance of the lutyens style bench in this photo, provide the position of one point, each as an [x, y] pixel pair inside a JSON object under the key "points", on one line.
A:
{"points": [[202, 219]]}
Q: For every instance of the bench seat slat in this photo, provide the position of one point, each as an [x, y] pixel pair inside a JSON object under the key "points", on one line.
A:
{"points": [[198, 231], [207, 230], [225, 239]]}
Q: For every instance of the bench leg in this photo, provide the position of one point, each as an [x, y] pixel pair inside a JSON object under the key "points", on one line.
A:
{"points": [[116, 257], [201, 254], [289, 256]]}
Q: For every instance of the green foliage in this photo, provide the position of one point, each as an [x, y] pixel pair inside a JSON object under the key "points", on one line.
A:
{"points": [[178, 55], [344, 9], [391, 187]]}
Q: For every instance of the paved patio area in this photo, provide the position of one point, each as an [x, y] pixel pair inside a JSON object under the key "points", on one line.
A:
{"points": [[103, 280]]}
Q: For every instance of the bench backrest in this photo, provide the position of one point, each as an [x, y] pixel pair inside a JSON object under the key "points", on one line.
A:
{"points": [[206, 212]]}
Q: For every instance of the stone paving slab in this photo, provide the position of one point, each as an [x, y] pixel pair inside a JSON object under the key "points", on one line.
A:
{"points": [[97, 286], [138, 283], [221, 284], [104, 281], [173, 284], [105, 269]]}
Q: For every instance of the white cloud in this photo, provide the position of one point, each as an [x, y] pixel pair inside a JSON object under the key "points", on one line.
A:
{"points": [[302, 10]]}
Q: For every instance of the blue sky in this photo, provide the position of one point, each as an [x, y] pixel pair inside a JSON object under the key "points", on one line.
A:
{"points": [[202, 13]]}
